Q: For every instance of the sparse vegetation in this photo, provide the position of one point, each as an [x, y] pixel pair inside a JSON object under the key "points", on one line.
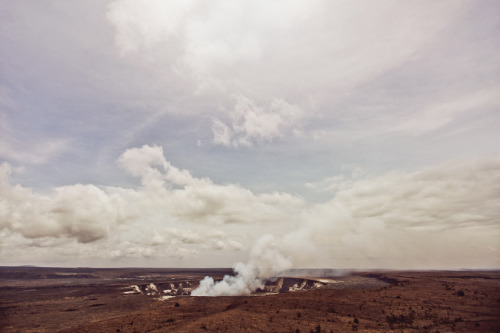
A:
{"points": [[401, 320], [424, 307]]}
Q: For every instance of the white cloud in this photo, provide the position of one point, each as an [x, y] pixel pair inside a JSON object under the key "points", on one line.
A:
{"points": [[442, 114], [176, 193], [206, 238], [221, 133], [168, 196], [84, 212], [149, 164], [251, 123], [310, 85], [442, 217], [141, 25], [218, 33], [282, 59], [449, 196]]}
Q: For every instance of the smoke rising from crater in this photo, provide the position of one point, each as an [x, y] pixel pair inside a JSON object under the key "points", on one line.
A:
{"points": [[266, 261], [413, 220]]}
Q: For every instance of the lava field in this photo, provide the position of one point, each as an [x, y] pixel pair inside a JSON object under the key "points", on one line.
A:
{"points": [[36, 299]]}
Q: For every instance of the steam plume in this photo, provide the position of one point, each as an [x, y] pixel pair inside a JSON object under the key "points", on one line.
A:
{"points": [[266, 260]]}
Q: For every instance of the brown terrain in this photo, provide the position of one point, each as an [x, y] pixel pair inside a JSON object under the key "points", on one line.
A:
{"points": [[34, 299]]}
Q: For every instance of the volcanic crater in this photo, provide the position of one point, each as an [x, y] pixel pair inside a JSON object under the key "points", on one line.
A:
{"points": [[157, 300]]}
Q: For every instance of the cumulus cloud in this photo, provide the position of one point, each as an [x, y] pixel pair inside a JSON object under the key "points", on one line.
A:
{"points": [[211, 239], [441, 216], [168, 196], [149, 164], [448, 196], [84, 212], [175, 192], [250, 123]]}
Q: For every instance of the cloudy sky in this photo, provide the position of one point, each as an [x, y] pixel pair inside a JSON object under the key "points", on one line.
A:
{"points": [[359, 134]]}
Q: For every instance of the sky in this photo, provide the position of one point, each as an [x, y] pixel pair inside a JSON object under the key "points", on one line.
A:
{"points": [[339, 134]]}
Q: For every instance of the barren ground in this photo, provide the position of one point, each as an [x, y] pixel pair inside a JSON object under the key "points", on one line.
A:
{"points": [[95, 300]]}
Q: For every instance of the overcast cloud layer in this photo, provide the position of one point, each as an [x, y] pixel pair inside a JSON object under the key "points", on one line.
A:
{"points": [[343, 134]]}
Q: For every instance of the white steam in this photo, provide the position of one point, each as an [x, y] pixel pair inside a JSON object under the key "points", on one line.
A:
{"points": [[266, 260]]}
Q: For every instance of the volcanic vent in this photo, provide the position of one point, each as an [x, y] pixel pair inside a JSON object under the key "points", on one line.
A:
{"points": [[289, 284], [184, 288], [175, 288]]}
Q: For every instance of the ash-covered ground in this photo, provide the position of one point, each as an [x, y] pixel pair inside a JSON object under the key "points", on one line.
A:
{"points": [[34, 299]]}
